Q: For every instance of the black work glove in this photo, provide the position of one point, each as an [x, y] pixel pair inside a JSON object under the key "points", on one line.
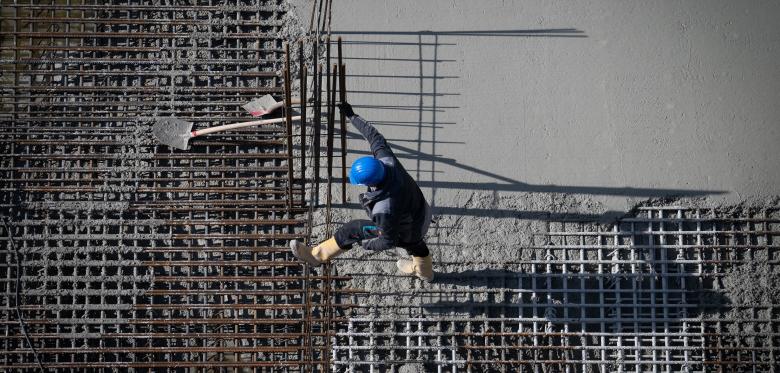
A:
{"points": [[346, 109]]}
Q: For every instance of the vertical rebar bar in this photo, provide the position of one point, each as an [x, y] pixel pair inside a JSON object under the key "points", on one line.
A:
{"points": [[331, 125], [329, 73], [304, 105], [343, 119], [308, 344], [328, 140], [311, 18], [317, 123], [288, 117]]}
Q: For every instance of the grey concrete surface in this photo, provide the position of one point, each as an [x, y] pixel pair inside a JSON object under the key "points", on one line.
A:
{"points": [[616, 101]]}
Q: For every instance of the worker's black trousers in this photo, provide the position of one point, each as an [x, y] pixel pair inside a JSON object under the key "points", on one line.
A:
{"points": [[358, 230]]}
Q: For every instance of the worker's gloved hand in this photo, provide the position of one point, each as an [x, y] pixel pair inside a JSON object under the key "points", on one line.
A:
{"points": [[346, 109]]}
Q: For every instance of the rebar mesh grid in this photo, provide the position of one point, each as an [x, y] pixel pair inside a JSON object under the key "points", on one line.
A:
{"points": [[671, 289], [133, 254]]}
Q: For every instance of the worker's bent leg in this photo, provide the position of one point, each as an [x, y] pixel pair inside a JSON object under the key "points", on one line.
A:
{"points": [[347, 235], [427, 221], [421, 264], [354, 232], [417, 249], [318, 254]]}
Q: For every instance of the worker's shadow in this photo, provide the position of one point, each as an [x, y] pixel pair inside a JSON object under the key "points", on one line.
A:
{"points": [[555, 312], [622, 301]]}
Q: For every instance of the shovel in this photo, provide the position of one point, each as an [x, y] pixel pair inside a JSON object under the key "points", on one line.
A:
{"points": [[265, 105], [177, 133]]}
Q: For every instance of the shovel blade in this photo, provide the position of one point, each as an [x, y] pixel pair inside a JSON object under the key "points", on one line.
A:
{"points": [[173, 132], [259, 107]]}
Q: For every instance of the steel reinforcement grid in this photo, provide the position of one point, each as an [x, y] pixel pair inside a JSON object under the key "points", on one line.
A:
{"points": [[669, 290], [118, 251]]}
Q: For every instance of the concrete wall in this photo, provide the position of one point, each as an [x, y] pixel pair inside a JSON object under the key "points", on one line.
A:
{"points": [[619, 101]]}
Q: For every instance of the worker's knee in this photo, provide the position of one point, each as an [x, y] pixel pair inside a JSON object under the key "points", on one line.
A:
{"points": [[352, 232]]}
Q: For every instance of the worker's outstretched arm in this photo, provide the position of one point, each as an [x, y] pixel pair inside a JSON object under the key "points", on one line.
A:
{"points": [[378, 143]]}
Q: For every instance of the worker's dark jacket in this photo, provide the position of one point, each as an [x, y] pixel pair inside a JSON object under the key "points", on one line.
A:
{"points": [[396, 206]]}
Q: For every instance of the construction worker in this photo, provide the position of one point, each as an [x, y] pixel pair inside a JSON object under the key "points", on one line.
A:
{"points": [[399, 214]]}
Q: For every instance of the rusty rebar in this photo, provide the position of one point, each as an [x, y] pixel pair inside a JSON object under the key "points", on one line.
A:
{"points": [[288, 115], [328, 141], [343, 121], [304, 105], [317, 124]]}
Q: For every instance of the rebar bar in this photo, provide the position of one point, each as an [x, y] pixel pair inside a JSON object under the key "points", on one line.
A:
{"points": [[343, 122], [288, 122], [317, 123], [330, 133], [303, 69]]}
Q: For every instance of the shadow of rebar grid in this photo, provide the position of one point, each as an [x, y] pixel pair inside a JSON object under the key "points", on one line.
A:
{"points": [[121, 252], [670, 289]]}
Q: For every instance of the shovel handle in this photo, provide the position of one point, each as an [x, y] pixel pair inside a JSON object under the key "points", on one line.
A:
{"points": [[279, 104], [231, 126]]}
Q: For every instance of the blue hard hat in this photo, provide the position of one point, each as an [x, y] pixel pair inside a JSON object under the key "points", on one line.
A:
{"points": [[367, 171]]}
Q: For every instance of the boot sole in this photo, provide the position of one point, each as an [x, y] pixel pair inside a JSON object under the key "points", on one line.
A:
{"points": [[294, 247]]}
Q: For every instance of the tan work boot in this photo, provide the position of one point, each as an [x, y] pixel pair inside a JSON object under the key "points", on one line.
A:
{"points": [[318, 254], [422, 267]]}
